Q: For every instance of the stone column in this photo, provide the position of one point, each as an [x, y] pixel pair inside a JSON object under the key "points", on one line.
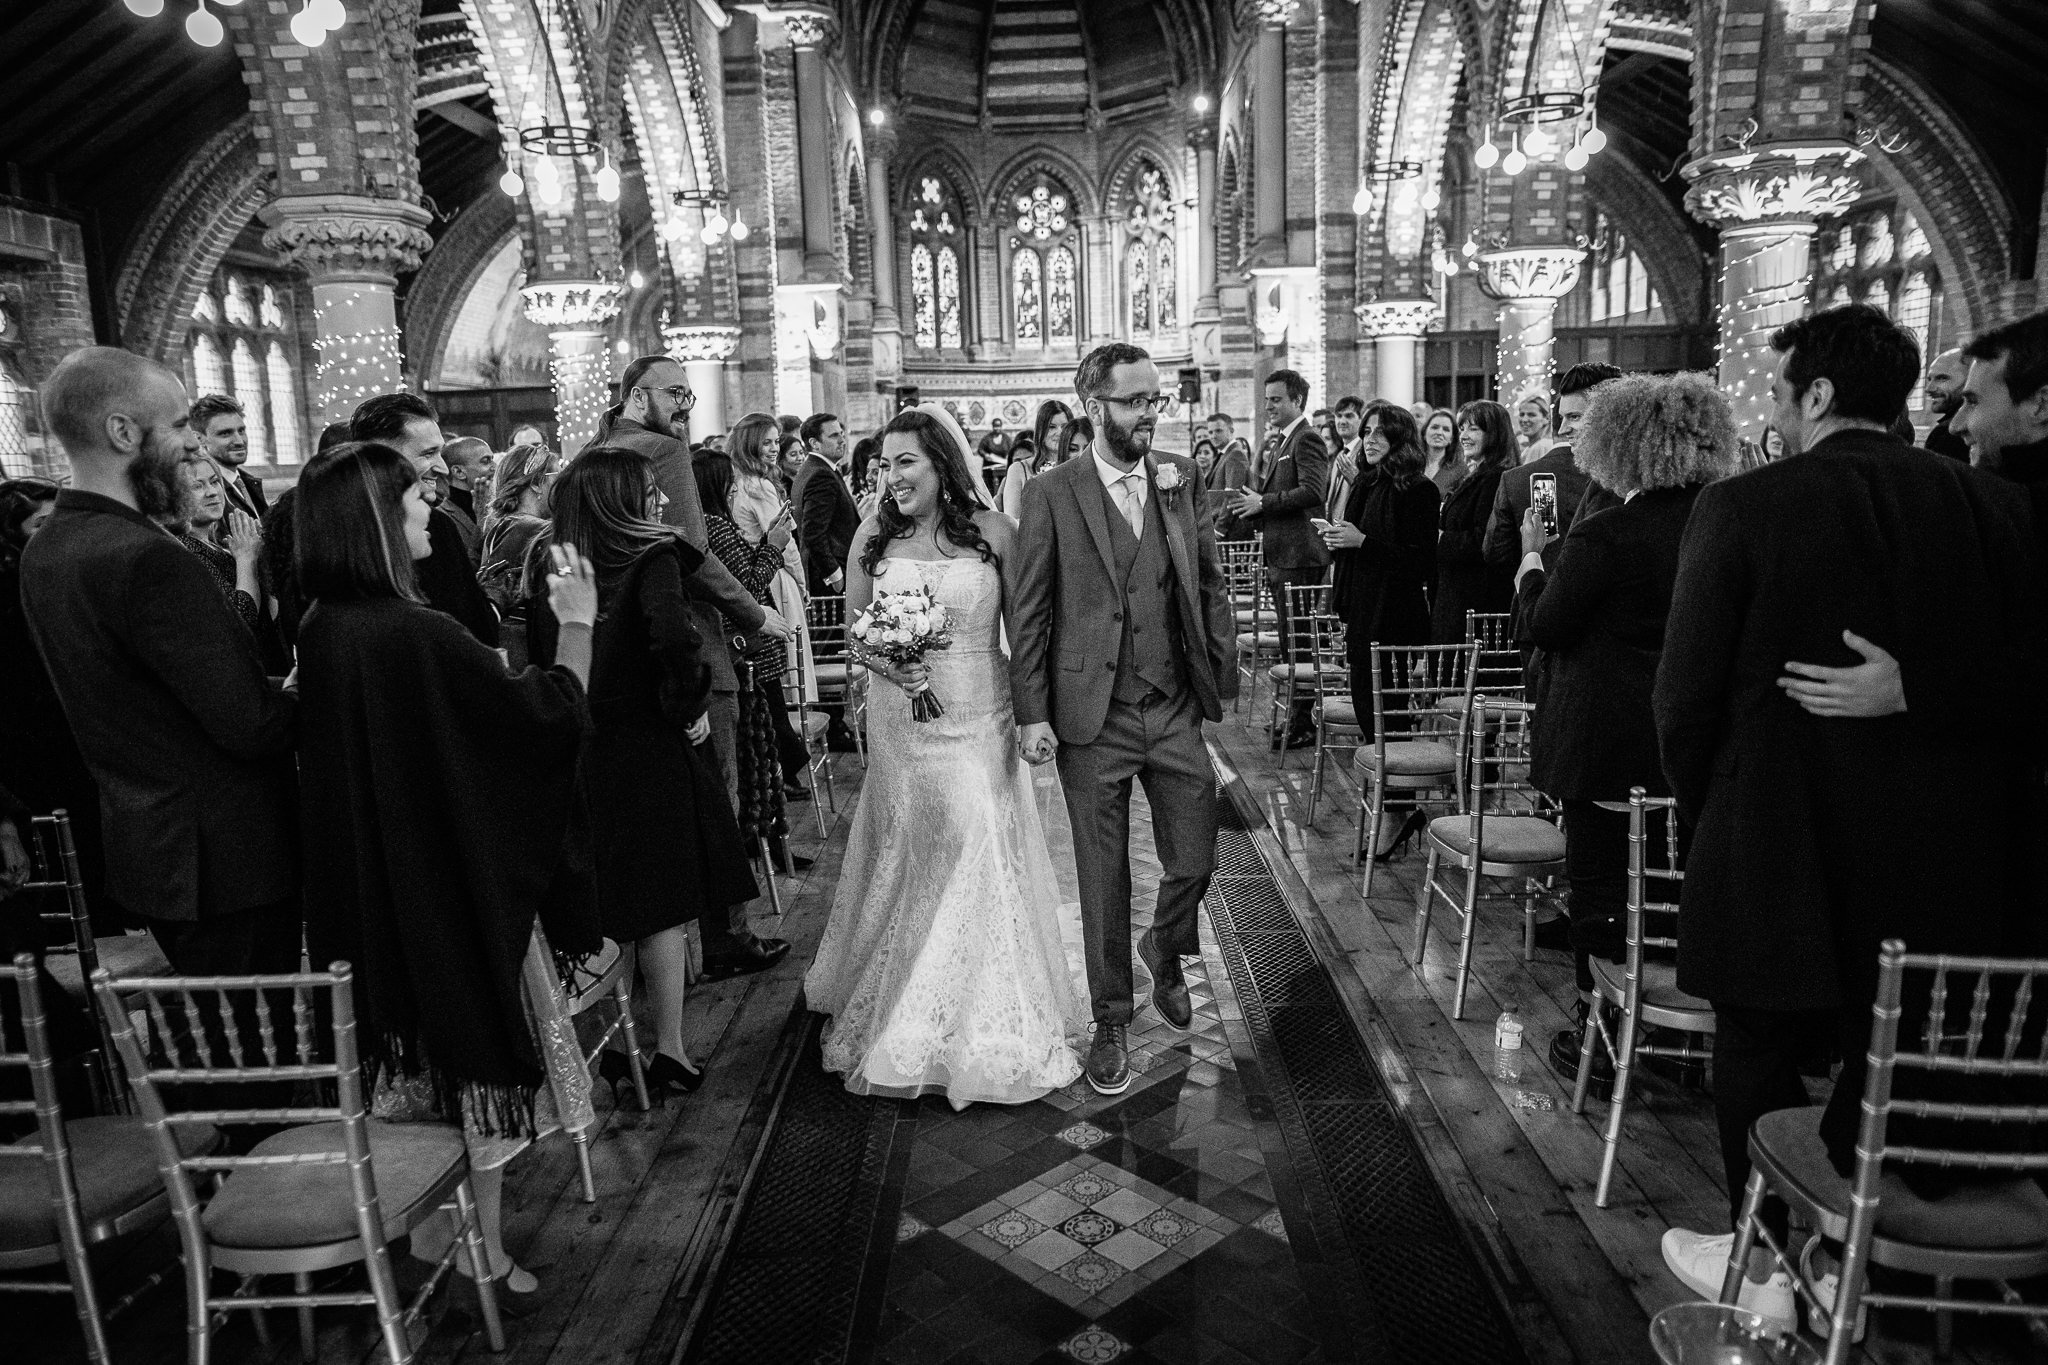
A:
{"points": [[1269, 132], [574, 313], [888, 324], [1396, 327], [1528, 281], [1205, 335], [809, 35], [354, 248], [703, 351], [1766, 201]]}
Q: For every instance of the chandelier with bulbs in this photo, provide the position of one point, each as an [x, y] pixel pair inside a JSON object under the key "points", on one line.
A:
{"points": [[1536, 137], [546, 144], [717, 227], [309, 27]]}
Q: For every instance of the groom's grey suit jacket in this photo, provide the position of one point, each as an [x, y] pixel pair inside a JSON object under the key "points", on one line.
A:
{"points": [[1063, 598]]}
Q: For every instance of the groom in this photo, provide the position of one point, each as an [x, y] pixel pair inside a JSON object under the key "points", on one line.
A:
{"points": [[1122, 642]]}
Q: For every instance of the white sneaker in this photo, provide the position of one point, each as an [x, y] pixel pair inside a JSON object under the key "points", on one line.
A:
{"points": [[1825, 1287], [1701, 1262]]}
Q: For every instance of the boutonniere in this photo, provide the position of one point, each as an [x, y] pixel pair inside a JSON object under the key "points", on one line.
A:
{"points": [[1168, 478]]}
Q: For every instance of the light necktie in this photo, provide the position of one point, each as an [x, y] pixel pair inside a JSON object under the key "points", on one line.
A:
{"points": [[1127, 502]]}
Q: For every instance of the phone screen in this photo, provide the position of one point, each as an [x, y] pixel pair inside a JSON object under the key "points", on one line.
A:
{"points": [[1543, 497]]}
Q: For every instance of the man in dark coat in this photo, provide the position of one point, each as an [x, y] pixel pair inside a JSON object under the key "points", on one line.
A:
{"points": [[223, 431], [1813, 833], [1945, 396], [1503, 548], [1232, 470], [189, 742], [447, 576], [652, 418], [1288, 486], [826, 514]]}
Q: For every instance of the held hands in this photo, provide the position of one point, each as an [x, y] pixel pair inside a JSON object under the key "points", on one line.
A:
{"points": [[245, 536], [1861, 691], [1342, 535], [1035, 743], [1534, 536], [912, 678], [572, 587]]}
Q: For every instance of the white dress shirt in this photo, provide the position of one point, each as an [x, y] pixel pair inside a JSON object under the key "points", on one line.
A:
{"points": [[1111, 476]]}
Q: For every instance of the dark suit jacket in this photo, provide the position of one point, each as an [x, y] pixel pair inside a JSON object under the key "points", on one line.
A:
{"points": [[1233, 469], [1503, 547], [1378, 588], [1064, 638], [448, 579], [190, 743], [723, 611], [1464, 580], [1599, 620], [1818, 838], [245, 491], [1943, 441], [826, 520], [1290, 494]]}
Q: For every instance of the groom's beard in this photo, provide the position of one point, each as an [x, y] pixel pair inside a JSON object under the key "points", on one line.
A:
{"points": [[1128, 444], [156, 476]]}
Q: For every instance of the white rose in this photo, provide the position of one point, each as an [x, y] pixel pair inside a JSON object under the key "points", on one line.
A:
{"points": [[922, 625]]}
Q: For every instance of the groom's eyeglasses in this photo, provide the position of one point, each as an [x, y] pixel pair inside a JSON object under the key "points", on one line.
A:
{"points": [[1157, 402]]}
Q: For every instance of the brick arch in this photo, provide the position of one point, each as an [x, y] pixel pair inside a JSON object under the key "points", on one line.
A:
{"points": [[1662, 234], [949, 166], [1047, 161], [1116, 186], [179, 246], [447, 276], [1432, 43], [857, 242], [1940, 165]]}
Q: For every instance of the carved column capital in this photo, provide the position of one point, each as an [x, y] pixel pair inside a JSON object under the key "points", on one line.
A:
{"points": [[1533, 272], [1202, 136], [813, 29], [1781, 182], [1274, 13], [1398, 317], [709, 342], [336, 237], [570, 305], [881, 142]]}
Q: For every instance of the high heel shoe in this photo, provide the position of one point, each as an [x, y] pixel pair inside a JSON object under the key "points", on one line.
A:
{"points": [[1416, 821], [665, 1072], [617, 1070]]}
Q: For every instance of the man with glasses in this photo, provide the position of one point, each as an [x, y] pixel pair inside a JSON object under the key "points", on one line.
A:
{"points": [[1288, 485], [652, 417]]}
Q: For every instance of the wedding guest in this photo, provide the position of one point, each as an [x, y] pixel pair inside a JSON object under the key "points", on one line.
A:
{"points": [[1382, 551], [1465, 581], [667, 849], [827, 513], [1532, 417], [758, 510], [223, 430], [863, 466], [1046, 428], [1204, 456], [447, 576], [527, 434], [437, 791], [1576, 494], [1811, 830], [39, 758], [1445, 464], [469, 474], [188, 740], [1073, 440], [513, 522], [789, 458], [230, 558], [1597, 611], [1944, 389]]}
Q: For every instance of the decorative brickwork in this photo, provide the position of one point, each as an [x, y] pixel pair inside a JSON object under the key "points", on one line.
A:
{"points": [[177, 248], [43, 284]]}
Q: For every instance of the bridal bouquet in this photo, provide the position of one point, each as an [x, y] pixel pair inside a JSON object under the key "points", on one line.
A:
{"points": [[901, 628]]}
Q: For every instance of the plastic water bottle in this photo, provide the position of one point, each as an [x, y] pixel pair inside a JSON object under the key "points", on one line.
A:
{"points": [[1507, 1031]]}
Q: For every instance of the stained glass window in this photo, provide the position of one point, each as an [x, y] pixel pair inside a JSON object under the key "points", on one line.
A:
{"points": [[1059, 295], [249, 381], [1164, 297], [1029, 307], [1138, 264], [1915, 239], [284, 406], [924, 298], [949, 298], [235, 303], [208, 374], [1148, 252], [244, 342], [1880, 254], [271, 312]]}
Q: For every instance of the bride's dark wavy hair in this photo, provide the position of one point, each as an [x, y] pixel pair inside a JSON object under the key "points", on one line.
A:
{"points": [[957, 502]]}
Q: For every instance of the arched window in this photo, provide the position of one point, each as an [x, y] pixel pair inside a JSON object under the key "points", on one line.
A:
{"points": [[245, 342], [936, 241], [1620, 282], [1150, 297], [24, 448], [1045, 265], [1880, 255]]}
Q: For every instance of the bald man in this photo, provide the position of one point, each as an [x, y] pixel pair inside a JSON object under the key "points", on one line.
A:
{"points": [[469, 475], [190, 743], [1945, 396]]}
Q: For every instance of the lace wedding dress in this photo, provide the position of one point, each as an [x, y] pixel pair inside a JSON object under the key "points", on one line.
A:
{"points": [[942, 965]]}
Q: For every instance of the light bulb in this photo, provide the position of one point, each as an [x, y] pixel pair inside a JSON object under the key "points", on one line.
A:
{"points": [[1538, 142], [329, 14], [1361, 203], [1514, 163], [717, 225], [1430, 200], [203, 27], [876, 118], [306, 30], [710, 238], [510, 182], [636, 280], [1471, 247], [1201, 104], [548, 181], [1593, 141], [148, 9], [1486, 155], [1575, 158], [1404, 198], [674, 229], [608, 183], [740, 230], [624, 347], [1450, 265]]}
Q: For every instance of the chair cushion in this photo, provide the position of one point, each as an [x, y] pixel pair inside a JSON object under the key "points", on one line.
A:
{"points": [[827, 674], [1409, 757], [816, 723], [1339, 711], [1497, 708], [113, 1161], [1263, 640], [1301, 673], [1993, 1216], [296, 1206], [1503, 838], [1660, 982]]}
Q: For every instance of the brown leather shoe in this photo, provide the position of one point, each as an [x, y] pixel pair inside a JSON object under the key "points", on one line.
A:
{"points": [[1109, 1060], [1169, 986]]}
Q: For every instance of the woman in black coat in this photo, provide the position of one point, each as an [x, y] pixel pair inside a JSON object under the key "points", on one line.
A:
{"points": [[1597, 617], [1383, 548], [668, 848], [1464, 580]]}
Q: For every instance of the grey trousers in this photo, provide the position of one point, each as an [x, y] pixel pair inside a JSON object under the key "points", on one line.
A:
{"points": [[725, 730], [1159, 742]]}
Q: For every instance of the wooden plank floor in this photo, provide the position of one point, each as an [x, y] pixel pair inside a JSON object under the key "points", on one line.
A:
{"points": [[1597, 1274]]}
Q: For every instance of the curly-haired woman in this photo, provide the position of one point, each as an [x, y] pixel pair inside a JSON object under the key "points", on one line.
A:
{"points": [[1598, 616]]}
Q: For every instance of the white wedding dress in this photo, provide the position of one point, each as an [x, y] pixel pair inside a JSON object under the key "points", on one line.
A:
{"points": [[943, 966]]}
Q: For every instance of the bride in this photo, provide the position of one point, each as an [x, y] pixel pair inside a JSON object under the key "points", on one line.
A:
{"points": [[942, 965]]}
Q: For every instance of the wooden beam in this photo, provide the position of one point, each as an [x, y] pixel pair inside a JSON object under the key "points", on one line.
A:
{"points": [[50, 84], [1627, 69], [129, 122], [468, 119]]}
